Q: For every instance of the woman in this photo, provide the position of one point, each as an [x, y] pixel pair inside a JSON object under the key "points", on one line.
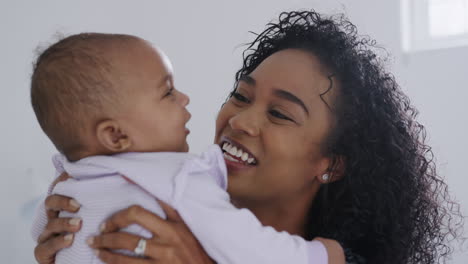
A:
{"points": [[339, 155]]}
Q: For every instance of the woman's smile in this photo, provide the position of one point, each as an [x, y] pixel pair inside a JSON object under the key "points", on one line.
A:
{"points": [[236, 155]]}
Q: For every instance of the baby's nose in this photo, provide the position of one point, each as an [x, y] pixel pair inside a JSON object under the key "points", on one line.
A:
{"points": [[185, 100]]}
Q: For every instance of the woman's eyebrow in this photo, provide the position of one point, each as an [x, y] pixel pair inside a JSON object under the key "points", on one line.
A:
{"points": [[247, 79], [277, 92], [290, 97]]}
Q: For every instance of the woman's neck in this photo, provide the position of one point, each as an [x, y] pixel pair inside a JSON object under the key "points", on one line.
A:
{"points": [[288, 214]]}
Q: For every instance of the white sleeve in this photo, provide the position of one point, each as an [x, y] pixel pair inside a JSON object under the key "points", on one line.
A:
{"points": [[231, 235], [39, 221]]}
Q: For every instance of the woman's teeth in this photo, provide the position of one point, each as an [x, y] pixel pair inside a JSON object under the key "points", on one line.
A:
{"points": [[236, 154]]}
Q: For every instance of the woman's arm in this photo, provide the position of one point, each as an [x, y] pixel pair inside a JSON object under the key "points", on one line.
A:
{"points": [[172, 242]]}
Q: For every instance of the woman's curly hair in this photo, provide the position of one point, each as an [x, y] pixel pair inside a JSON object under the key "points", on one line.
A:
{"points": [[390, 206]]}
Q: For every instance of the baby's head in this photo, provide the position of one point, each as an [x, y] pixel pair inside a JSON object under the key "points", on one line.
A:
{"points": [[99, 94]]}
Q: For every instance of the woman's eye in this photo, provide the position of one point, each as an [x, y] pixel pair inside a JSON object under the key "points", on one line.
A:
{"points": [[240, 97], [279, 115]]}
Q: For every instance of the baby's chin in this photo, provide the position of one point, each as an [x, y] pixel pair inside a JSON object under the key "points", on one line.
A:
{"points": [[185, 147]]}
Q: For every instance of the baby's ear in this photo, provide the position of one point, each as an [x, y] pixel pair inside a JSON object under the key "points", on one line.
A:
{"points": [[112, 137]]}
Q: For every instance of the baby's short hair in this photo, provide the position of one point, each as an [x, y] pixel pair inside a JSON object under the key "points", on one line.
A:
{"points": [[72, 84]]}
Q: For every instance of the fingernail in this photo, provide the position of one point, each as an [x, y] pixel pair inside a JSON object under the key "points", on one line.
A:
{"points": [[68, 237], [102, 227], [90, 241], [74, 203], [74, 221], [96, 252]]}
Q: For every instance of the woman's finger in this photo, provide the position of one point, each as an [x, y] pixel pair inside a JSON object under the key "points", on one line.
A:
{"points": [[115, 258], [171, 213], [136, 215], [60, 225], [122, 240], [117, 240], [55, 203], [155, 251], [45, 252]]}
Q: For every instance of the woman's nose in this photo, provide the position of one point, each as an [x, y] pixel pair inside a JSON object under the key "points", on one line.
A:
{"points": [[245, 122]]}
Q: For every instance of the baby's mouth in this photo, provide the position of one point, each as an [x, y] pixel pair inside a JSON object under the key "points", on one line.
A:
{"points": [[236, 153]]}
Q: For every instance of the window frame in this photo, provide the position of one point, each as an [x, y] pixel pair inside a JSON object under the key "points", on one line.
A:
{"points": [[415, 29]]}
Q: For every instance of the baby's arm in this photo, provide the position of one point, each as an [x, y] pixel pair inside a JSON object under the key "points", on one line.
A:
{"points": [[232, 235]]}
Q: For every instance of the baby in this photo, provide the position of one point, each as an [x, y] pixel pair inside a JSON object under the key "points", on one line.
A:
{"points": [[108, 104]]}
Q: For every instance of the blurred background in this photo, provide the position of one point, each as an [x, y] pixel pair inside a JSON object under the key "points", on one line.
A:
{"points": [[427, 41]]}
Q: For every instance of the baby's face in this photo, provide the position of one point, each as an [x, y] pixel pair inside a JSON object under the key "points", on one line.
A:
{"points": [[155, 117]]}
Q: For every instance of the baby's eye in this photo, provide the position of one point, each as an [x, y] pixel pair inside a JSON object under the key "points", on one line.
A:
{"points": [[170, 92], [240, 97]]}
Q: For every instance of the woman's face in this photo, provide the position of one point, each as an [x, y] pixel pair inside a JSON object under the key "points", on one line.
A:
{"points": [[278, 120]]}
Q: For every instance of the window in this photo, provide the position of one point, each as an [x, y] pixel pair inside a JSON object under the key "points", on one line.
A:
{"points": [[434, 24]]}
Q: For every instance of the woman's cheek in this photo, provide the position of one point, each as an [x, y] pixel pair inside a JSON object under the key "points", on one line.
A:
{"points": [[222, 120]]}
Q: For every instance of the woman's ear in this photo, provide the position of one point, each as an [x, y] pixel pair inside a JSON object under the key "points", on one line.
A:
{"points": [[112, 137], [335, 170]]}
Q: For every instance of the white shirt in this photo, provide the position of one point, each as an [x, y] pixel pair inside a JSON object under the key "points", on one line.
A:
{"points": [[193, 185]]}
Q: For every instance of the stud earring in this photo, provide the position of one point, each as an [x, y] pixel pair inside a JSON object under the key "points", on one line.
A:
{"points": [[325, 177]]}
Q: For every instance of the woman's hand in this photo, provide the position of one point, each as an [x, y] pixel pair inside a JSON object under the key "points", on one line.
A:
{"points": [[58, 233], [172, 241]]}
